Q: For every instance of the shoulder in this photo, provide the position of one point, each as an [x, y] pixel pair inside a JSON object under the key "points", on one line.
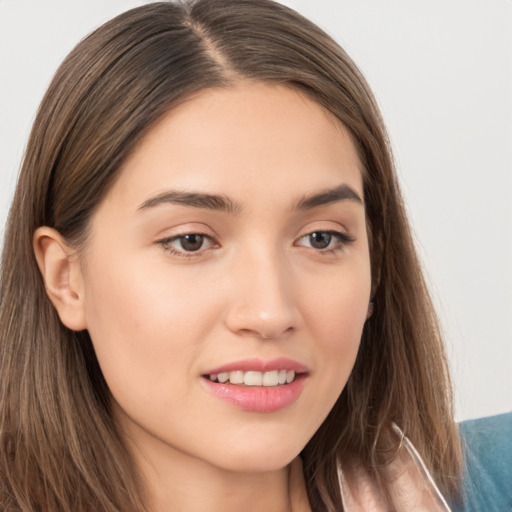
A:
{"points": [[487, 446]]}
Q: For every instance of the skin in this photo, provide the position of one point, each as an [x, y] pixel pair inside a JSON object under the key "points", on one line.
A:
{"points": [[258, 287]]}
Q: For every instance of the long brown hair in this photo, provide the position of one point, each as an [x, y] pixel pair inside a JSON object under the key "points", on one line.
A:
{"points": [[60, 449]]}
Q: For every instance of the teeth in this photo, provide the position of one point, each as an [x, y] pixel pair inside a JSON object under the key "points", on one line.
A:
{"points": [[271, 378], [223, 377], [268, 379], [236, 377], [253, 378]]}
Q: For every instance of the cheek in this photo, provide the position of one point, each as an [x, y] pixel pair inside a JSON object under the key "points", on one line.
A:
{"points": [[145, 329], [337, 306], [336, 315]]}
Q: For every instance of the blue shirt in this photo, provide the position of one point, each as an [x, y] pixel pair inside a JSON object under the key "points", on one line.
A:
{"points": [[487, 485]]}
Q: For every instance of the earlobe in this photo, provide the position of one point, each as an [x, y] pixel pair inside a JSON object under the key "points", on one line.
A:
{"points": [[62, 276]]}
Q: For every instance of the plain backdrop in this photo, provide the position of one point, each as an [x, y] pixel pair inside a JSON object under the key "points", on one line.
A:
{"points": [[442, 73]]}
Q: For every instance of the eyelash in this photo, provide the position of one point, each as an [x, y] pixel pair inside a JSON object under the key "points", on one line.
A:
{"points": [[166, 245], [342, 239]]}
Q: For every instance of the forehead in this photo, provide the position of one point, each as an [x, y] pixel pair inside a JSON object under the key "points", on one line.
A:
{"points": [[252, 139]]}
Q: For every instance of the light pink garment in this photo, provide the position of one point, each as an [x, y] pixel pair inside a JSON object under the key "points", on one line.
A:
{"points": [[410, 487]]}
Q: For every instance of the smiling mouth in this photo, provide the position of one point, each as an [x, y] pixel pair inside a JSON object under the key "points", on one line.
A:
{"points": [[254, 389], [254, 378]]}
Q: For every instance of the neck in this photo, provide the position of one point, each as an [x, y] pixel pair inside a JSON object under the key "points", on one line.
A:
{"points": [[196, 488], [175, 481]]}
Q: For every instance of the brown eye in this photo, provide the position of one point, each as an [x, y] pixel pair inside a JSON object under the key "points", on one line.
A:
{"points": [[320, 239], [191, 243], [187, 245], [325, 241]]}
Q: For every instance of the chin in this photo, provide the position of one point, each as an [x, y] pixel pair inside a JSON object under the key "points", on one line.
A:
{"points": [[258, 458]]}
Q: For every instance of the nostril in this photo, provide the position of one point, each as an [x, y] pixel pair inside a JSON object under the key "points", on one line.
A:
{"points": [[247, 317], [280, 334]]}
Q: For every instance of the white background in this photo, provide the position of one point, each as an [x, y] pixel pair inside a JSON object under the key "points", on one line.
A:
{"points": [[442, 73]]}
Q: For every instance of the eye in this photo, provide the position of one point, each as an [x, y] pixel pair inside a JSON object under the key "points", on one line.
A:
{"points": [[325, 240], [185, 245], [192, 242]]}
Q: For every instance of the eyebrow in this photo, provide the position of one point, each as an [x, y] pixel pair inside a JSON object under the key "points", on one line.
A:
{"points": [[333, 195], [225, 204], [194, 199]]}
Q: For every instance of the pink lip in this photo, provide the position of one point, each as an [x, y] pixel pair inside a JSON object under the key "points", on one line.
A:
{"points": [[259, 365], [259, 398]]}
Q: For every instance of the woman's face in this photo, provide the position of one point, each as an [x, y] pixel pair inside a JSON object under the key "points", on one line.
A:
{"points": [[231, 252]]}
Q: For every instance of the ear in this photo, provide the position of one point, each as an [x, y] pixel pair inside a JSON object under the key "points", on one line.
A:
{"points": [[62, 275]]}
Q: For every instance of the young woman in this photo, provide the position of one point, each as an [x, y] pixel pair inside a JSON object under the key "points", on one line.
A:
{"points": [[210, 296]]}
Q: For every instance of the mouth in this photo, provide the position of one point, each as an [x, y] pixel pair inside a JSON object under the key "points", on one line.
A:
{"points": [[258, 386]]}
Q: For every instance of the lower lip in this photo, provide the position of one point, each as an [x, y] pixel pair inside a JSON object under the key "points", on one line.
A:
{"points": [[258, 398]]}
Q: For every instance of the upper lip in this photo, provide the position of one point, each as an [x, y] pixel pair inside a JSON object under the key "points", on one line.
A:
{"points": [[260, 365]]}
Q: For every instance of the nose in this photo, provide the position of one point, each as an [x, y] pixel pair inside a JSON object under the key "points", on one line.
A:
{"points": [[263, 301]]}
